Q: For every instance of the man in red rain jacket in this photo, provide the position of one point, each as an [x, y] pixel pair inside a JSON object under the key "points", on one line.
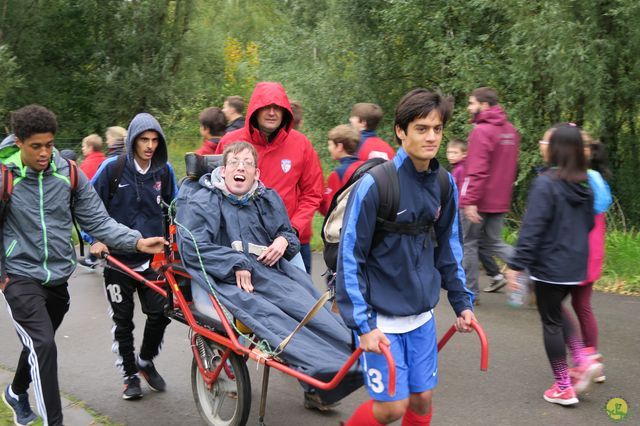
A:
{"points": [[288, 162]]}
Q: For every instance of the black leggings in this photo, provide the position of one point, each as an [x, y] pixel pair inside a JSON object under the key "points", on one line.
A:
{"points": [[557, 327]]}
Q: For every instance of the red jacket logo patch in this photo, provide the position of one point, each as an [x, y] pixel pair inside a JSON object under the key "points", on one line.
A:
{"points": [[286, 165]]}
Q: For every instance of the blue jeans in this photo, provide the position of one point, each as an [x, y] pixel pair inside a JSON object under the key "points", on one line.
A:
{"points": [[305, 252]]}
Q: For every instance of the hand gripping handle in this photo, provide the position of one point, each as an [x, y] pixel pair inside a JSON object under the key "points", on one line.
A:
{"points": [[484, 345]]}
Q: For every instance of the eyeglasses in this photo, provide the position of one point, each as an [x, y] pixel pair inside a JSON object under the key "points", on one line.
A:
{"points": [[543, 142], [234, 163]]}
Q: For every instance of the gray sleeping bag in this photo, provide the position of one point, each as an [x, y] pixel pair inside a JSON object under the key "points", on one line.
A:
{"points": [[224, 227]]}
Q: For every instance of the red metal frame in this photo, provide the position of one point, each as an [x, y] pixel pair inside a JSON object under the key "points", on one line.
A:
{"points": [[484, 345], [231, 341]]}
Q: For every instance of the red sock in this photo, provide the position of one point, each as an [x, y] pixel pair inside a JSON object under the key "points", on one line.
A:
{"points": [[411, 418], [363, 416]]}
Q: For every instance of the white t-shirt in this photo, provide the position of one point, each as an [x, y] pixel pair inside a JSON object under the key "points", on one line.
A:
{"points": [[400, 324], [140, 170]]}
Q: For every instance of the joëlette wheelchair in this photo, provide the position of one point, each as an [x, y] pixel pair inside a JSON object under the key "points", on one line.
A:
{"points": [[219, 375]]}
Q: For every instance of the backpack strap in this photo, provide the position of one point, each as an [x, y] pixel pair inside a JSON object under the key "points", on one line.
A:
{"points": [[388, 184], [166, 184], [73, 183], [7, 184], [389, 190], [445, 185], [386, 179], [116, 175], [73, 174]]}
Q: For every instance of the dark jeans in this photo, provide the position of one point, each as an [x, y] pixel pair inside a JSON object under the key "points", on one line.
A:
{"points": [[120, 289], [37, 312], [488, 263], [305, 252]]}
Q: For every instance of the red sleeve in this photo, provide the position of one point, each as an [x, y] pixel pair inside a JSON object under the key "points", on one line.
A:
{"points": [[333, 186], [207, 148], [220, 146], [310, 188], [476, 168]]}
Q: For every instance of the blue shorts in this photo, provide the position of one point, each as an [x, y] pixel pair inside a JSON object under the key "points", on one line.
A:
{"points": [[416, 357]]}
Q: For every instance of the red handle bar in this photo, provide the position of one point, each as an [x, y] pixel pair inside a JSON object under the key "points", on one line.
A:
{"points": [[484, 345], [390, 363], [384, 348], [124, 268]]}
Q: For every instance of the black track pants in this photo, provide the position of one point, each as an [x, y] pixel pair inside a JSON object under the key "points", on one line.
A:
{"points": [[120, 289], [37, 312]]}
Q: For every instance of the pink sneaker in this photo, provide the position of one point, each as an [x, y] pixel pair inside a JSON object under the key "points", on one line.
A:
{"points": [[583, 375], [593, 354], [562, 397]]}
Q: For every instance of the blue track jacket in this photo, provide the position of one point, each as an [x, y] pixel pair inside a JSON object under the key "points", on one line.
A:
{"points": [[402, 275]]}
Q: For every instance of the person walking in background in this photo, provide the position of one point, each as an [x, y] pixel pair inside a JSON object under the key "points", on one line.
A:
{"points": [[553, 247], [146, 178], [490, 172], [457, 155], [365, 118], [298, 115], [598, 171], [581, 294], [93, 155], [93, 158], [115, 136], [233, 107], [212, 128], [288, 162], [342, 145]]}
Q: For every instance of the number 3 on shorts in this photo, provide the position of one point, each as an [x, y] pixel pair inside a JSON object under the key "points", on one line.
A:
{"points": [[375, 380]]}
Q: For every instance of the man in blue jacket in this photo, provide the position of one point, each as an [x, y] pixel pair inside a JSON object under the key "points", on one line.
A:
{"points": [[144, 178], [388, 286]]}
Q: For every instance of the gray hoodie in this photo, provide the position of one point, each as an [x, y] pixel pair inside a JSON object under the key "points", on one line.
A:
{"points": [[36, 232]]}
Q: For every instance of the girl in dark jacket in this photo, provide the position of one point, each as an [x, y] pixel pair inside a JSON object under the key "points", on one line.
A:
{"points": [[553, 246]]}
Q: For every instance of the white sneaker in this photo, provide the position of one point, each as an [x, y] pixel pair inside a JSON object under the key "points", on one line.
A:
{"points": [[497, 282]]}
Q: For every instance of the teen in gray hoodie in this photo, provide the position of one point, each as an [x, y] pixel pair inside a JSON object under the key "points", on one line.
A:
{"points": [[38, 255]]}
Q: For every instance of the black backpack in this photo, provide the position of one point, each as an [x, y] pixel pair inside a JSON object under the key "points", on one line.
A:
{"points": [[386, 179]]}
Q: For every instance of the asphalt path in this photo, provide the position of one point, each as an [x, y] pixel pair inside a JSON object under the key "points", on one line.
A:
{"points": [[509, 393]]}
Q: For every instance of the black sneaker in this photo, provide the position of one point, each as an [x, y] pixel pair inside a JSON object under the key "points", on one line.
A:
{"points": [[88, 264], [22, 413], [152, 376], [132, 389]]}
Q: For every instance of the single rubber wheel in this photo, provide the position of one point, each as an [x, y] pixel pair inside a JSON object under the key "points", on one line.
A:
{"points": [[228, 402]]}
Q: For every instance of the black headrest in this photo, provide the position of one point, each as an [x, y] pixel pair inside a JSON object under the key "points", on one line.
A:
{"points": [[198, 165]]}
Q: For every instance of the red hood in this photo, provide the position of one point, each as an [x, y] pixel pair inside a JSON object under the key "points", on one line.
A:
{"points": [[494, 115], [268, 93]]}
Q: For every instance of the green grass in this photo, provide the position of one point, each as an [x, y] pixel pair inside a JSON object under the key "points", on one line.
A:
{"points": [[177, 148], [6, 416], [621, 272]]}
